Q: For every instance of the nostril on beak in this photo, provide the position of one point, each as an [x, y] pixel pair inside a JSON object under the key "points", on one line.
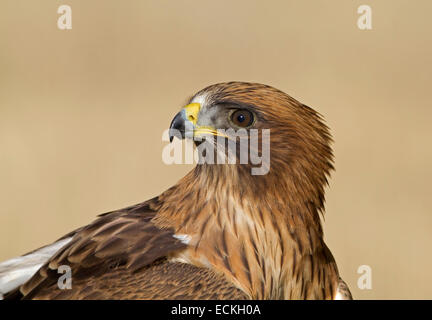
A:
{"points": [[191, 118]]}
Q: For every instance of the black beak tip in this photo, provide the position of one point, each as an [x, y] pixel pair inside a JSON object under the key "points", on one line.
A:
{"points": [[177, 127]]}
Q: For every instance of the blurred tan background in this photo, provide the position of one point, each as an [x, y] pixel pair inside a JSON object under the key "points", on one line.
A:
{"points": [[82, 113]]}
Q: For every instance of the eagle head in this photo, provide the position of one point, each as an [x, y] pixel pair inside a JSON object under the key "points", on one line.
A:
{"points": [[293, 143]]}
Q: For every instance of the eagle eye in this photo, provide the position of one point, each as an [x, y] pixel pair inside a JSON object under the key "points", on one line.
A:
{"points": [[242, 118]]}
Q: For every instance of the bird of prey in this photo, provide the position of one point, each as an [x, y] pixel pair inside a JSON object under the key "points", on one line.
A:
{"points": [[221, 232]]}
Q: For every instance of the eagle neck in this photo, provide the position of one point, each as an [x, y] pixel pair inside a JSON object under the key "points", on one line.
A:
{"points": [[257, 231]]}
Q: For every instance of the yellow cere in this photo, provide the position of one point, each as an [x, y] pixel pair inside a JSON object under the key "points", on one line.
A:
{"points": [[192, 111]]}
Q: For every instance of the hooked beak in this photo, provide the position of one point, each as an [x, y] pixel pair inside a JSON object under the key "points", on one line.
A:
{"points": [[183, 124], [177, 127]]}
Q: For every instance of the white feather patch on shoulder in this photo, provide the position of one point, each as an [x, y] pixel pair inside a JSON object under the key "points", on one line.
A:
{"points": [[184, 238], [16, 271]]}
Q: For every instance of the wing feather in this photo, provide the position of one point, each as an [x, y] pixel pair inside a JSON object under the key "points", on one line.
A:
{"points": [[126, 239]]}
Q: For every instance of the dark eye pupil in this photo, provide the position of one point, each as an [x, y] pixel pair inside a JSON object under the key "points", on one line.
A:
{"points": [[242, 118]]}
